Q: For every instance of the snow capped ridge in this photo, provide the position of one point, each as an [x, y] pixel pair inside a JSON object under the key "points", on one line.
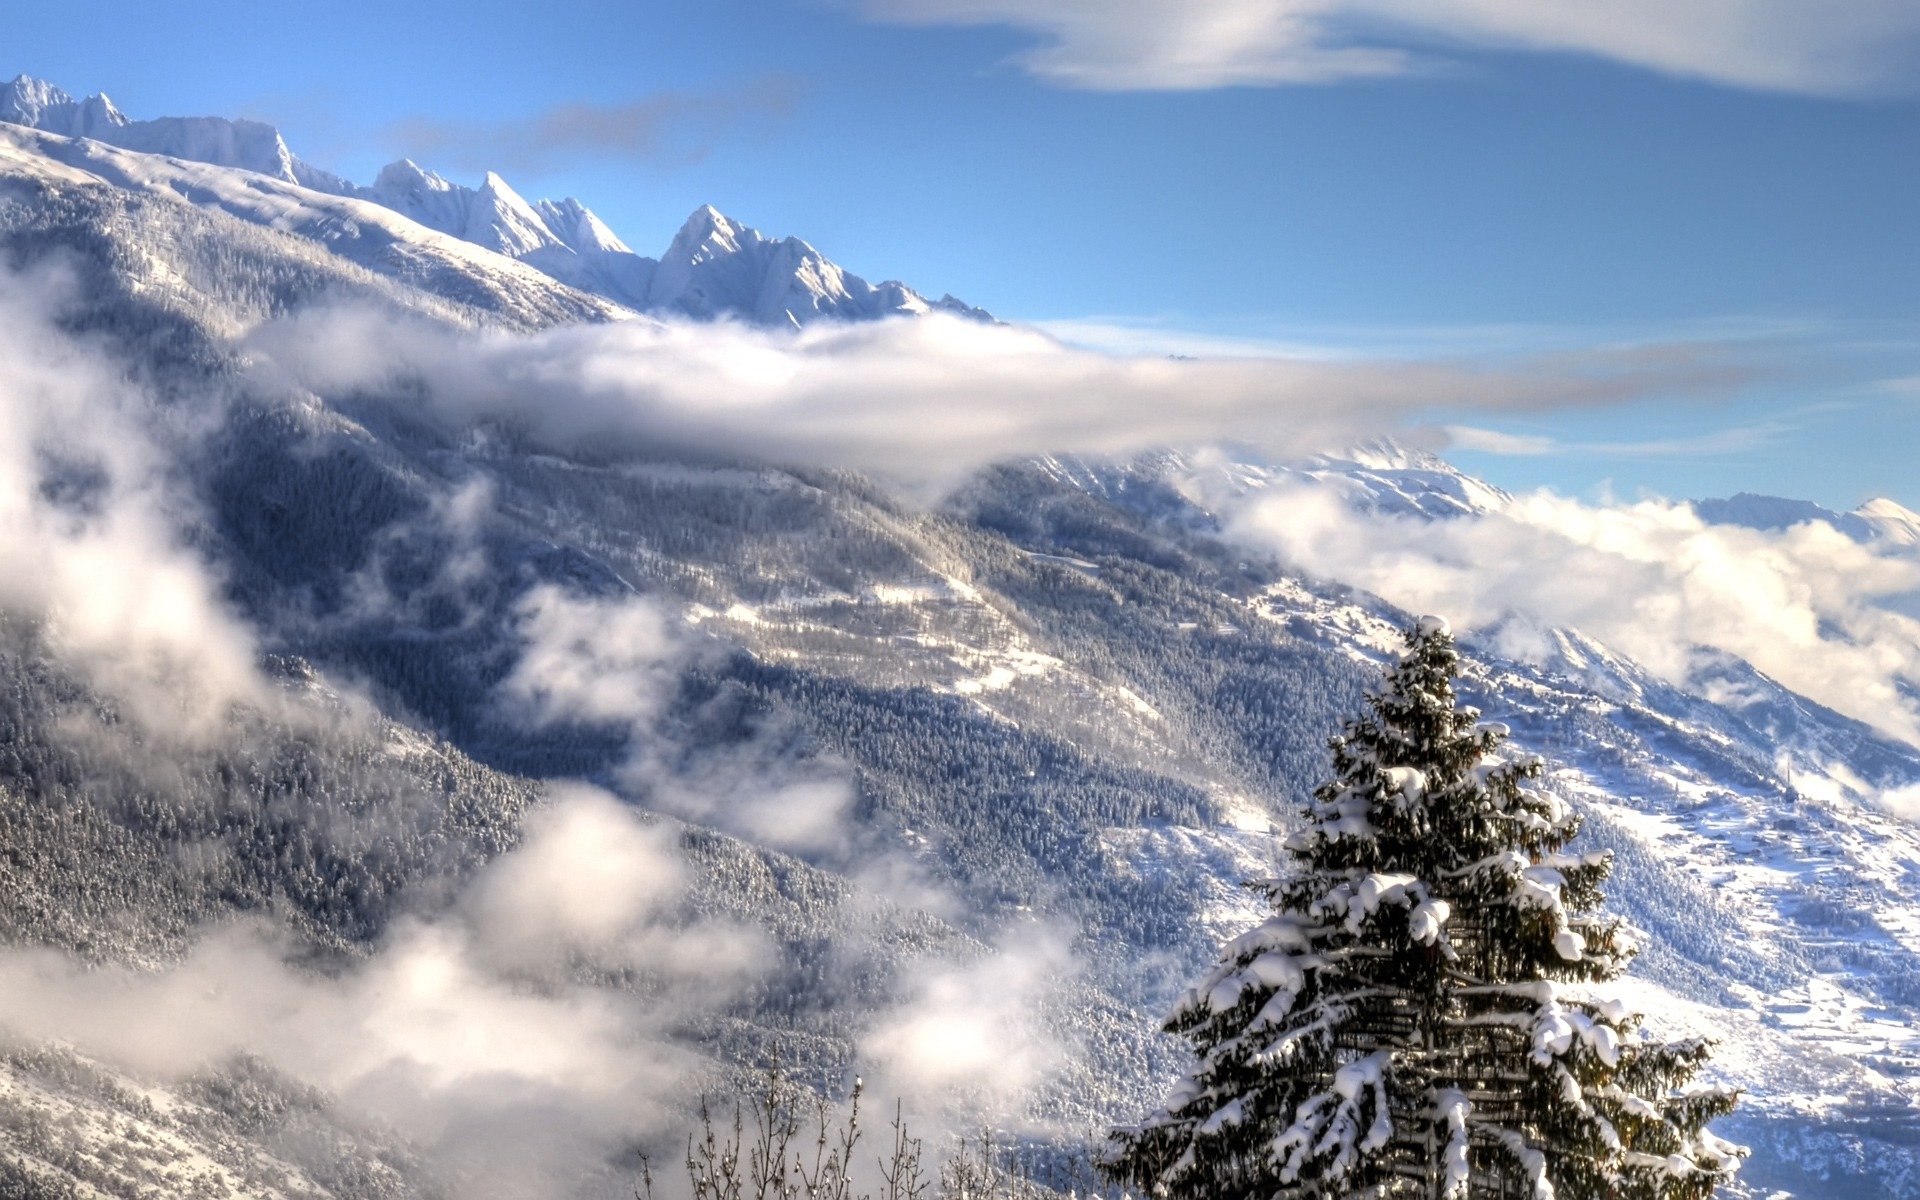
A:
{"points": [[1386, 476], [35, 102], [322, 227], [576, 226], [1751, 510], [1384, 454], [950, 303], [715, 266], [492, 215], [248, 145], [718, 266]]}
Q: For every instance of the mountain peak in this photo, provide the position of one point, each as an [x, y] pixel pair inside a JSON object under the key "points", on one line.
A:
{"points": [[97, 111], [40, 105], [716, 265], [708, 224], [406, 175], [26, 96]]}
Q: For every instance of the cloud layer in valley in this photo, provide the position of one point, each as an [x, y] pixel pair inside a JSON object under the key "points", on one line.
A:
{"points": [[1808, 605], [1780, 45], [922, 399]]}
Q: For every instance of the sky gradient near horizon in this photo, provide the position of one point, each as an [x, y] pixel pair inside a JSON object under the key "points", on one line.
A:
{"points": [[1332, 177]]}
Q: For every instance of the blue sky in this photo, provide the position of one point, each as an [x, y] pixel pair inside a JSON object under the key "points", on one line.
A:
{"points": [[1335, 175]]}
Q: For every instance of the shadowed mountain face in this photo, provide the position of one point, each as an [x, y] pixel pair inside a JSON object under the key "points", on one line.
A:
{"points": [[1051, 719]]}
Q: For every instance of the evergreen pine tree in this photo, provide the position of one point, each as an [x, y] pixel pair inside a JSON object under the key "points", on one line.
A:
{"points": [[1416, 1019]]}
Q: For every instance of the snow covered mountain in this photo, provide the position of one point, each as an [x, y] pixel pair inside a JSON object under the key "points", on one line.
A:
{"points": [[714, 267], [492, 216], [1876, 520], [1380, 477], [717, 266], [1056, 705], [186, 198], [248, 145]]}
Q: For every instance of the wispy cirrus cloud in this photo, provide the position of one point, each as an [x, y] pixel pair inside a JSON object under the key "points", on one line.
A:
{"points": [[1862, 46], [675, 127], [1735, 439]]}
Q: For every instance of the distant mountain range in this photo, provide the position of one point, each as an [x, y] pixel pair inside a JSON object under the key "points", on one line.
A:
{"points": [[1880, 519], [714, 267]]}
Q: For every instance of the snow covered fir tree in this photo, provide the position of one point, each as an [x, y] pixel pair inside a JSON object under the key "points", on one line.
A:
{"points": [[1418, 1017]]}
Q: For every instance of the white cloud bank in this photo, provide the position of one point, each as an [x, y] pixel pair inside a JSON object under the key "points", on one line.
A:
{"points": [[1806, 606], [927, 398], [1808, 46]]}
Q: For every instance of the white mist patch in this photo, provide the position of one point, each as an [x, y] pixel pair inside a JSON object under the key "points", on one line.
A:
{"points": [[608, 661], [591, 883], [974, 1031]]}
